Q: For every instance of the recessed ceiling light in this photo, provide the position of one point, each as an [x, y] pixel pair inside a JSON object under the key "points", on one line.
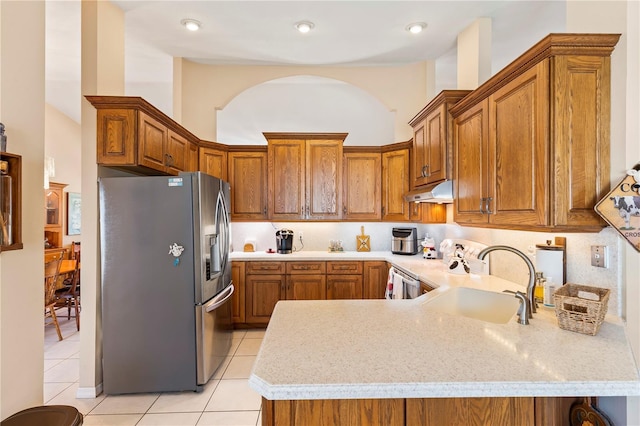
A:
{"points": [[416, 27], [304, 26], [191, 24]]}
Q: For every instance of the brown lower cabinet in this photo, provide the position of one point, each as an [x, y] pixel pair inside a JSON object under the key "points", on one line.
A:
{"points": [[344, 287], [238, 298], [497, 411], [261, 295], [261, 284], [374, 279]]}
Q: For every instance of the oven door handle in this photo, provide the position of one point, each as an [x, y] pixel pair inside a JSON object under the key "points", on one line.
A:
{"points": [[220, 299]]}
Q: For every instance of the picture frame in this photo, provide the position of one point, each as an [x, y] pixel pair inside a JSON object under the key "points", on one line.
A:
{"points": [[74, 203]]}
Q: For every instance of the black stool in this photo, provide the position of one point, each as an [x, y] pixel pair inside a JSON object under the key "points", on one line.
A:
{"points": [[49, 415]]}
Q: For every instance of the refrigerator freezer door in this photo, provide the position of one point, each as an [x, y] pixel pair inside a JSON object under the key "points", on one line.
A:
{"points": [[214, 333], [211, 223]]}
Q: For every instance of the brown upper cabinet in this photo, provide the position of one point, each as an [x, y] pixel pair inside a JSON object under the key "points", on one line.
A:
{"points": [[531, 145], [213, 159], [361, 193], [53, 222], [247, 173], [433, 139], [134, 135], [395, 182], [305, 176]]}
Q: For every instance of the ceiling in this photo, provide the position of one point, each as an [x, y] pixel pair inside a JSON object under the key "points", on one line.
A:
{"points": [[346, 33]]}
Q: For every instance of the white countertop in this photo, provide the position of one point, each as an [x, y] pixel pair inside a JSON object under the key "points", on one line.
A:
{"points": [[333, 349]]}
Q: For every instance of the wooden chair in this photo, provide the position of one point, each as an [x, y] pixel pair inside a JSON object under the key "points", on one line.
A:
{"points": [[70, 294], [51, 272]]}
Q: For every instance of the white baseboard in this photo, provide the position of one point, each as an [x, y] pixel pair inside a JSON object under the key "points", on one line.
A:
{"points": [[89, 392]]}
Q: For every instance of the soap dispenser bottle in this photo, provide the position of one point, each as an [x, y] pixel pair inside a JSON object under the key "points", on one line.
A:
{"points": [[549, 289]]}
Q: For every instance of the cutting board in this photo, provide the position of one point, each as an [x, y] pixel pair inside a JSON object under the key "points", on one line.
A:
{"points": [[363, 242]]}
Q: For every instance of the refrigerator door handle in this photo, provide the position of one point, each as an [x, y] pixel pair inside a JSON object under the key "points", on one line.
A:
{"points": [[220, 299]]}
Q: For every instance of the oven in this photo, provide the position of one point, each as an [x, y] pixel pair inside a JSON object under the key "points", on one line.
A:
{"points": [[410, 283]]}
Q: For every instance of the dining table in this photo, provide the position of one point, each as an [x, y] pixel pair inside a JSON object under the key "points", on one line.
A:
{"points": [[67, 266]]}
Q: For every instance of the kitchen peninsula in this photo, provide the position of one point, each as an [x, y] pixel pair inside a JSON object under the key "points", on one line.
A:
{"points": [[400, 362]]}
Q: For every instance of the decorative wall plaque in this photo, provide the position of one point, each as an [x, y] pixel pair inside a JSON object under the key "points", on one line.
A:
{"points": [[621, 207]]}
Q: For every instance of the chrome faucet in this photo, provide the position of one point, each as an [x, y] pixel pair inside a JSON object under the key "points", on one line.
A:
{"points": [[523, 311], [532, 272]]}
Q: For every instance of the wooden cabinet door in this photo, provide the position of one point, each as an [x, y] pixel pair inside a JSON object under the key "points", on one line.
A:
{"points": [[306, 287], [323, 179], [430, 148], [361, 194], [262, 294], [152, 140], [470, 411], [53, 224], [287, 179], [248, 180], [177, 154], [419, 155], [580, 123], [415, 212], [375, 279], [471, 157], [213, 162], [192, 165], [116, 137], [435, 146], [344, 287], [347, 267], [395, 184], [238, 298], [518, 153]]}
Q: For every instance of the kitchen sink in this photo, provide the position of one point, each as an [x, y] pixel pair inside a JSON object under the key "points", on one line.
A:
{"points": [[483, 305]]}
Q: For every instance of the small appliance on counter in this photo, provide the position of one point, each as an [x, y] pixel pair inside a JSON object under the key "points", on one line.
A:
{"points": [[284, 241], [404, 241]]}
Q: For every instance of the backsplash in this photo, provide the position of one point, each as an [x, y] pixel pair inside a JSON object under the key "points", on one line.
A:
{"points": [[316, 237]]}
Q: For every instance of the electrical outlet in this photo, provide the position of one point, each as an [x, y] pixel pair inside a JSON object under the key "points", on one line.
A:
{"points": [[599, 256]]}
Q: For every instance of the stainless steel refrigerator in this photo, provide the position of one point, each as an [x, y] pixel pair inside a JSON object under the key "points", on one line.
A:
{"points": [[166, 281]]}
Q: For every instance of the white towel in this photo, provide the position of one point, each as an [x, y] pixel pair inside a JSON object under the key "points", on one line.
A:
{"points": [[388, 293], [398, 287]]}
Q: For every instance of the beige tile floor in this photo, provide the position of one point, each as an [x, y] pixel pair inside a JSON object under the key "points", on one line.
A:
{"points": [[226, 400]]}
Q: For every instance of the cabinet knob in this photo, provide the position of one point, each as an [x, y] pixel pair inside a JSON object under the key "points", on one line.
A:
{"points": [[481, 205], [344, 209], [426, 171], [265, 211]]}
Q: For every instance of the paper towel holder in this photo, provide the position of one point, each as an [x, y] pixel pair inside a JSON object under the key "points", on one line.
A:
{"points": [[559, 244]]}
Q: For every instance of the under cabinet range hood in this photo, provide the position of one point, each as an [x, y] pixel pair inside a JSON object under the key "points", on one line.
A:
{"points": [[441, 193]]}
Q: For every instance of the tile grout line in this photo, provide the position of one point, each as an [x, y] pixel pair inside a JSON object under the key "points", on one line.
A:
{"points": [[231, 357]]}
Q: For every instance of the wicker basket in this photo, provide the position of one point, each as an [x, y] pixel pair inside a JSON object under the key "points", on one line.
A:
{"points": [[579, 314]]}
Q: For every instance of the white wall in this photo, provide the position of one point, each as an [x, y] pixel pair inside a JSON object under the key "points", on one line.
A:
{"points": [[620, 17], [208, 88], [305, 104], [63, 144], [21, 283]]}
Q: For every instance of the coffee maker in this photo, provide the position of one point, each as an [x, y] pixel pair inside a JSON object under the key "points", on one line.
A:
{"points": [[284, 241]]}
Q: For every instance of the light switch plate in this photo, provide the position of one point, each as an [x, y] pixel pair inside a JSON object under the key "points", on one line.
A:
{"points": [[599, 256]]}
